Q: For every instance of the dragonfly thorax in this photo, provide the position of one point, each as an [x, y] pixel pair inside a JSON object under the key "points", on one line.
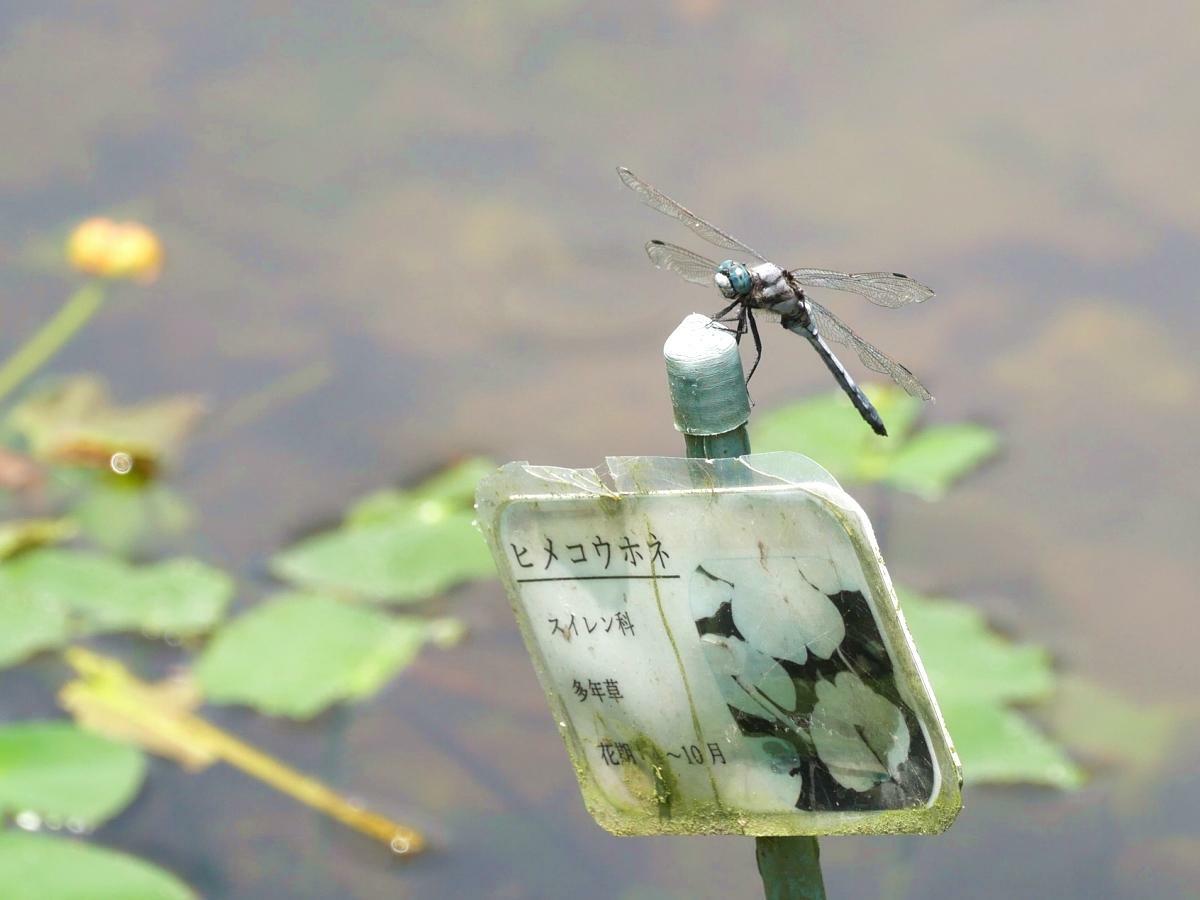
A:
{"points": [[733, 279], [770, 287]]}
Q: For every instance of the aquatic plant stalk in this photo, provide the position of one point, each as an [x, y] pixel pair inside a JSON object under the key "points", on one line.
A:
{"points": [[268, 398], [107, 698], [50, 338]]}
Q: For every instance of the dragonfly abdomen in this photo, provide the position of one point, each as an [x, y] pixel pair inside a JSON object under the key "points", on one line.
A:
{"points": [[864, 406]]}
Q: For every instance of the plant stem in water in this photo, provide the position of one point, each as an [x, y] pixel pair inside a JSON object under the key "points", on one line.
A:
{"points": [[107, 698], [51, 337]]}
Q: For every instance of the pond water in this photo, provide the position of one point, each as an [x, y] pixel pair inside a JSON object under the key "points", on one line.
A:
{"points": [[419, 199]]}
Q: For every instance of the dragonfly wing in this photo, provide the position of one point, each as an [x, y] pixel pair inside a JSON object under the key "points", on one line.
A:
{"points": [[683, 262], [890, 289], [830, 326], [656, 199]]}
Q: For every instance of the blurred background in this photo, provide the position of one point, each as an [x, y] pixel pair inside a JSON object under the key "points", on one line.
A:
{"points": [[398, 226]]}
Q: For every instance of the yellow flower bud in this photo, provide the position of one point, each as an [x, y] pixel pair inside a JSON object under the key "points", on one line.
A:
{"points": [[115, 250]]}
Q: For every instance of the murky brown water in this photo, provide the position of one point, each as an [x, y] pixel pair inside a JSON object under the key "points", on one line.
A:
{"points": [[422, 198]]}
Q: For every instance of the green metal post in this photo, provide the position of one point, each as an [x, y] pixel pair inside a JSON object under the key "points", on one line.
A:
{"points": [[712, 407], [790, 868]]}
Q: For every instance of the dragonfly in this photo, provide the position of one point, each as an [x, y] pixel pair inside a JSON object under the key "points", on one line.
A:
{"points": [[761, 286]]}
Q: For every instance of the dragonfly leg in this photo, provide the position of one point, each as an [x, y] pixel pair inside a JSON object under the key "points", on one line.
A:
{"points": [[716, 317], [757, 343], [739, 319], [739, 328]]}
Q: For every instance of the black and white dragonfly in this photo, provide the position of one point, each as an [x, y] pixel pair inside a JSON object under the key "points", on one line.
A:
{"points": [[766, 287]]}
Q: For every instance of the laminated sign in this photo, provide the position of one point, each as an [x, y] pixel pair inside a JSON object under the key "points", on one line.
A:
{"points": [[721, 647]]}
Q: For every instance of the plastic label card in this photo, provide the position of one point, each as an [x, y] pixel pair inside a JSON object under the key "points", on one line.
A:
{"points": [[721, 647]]}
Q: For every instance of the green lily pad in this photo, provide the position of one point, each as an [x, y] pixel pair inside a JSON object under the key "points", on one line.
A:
{"points": [[123, 515], [401, 562], [827, 428], [929, 463], [964, 658], [999, 746], [26, 626], [296, 654], [29, 626], [975, 675], [398, 546], [452, 489], [57, 773], [179, 597], [1101, 725], [37, 867]]}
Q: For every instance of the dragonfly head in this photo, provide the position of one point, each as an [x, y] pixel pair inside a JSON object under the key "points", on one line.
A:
{"points": [[733, 279]]}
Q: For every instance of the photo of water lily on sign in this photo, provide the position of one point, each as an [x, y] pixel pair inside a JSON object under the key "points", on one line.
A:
{"points": [[807, 674]]}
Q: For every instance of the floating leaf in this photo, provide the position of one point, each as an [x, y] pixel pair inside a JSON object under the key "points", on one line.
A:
{"points": [[76, 422], [998, 746], [395, 561], [387, 505], [451, 490], [1102, 725], [37, 867], [22, 534], [456, 483], [123, 514], [61, 774], [178, 597], [975, 673], [296, 654], [966, 659], [828, 429], [399, 546], [821, 428], [28, 626], [929, 463]]}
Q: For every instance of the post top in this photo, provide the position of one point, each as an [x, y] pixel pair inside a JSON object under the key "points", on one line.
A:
{"points": [[705, 378]]}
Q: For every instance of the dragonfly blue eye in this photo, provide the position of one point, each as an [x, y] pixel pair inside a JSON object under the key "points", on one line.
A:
{"points": [[738, 275]]}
